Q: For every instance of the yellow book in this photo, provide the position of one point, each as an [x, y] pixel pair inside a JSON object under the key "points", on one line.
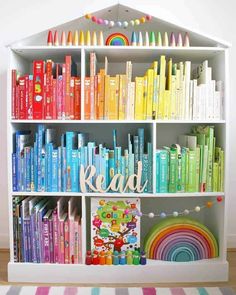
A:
{"points": [[162, 87], [112, 105], [101, 94], [150, 74], [177, 99], [132, 100], [166, 104], [145, 87], [173, 98], [122, 96], [181, 94], [139, 98], [169, 87], [128, 88], [106, 96], [157, 96], [154, 66]]}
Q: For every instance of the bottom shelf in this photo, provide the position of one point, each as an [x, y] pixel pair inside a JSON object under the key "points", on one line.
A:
{"points": [[154, 272]]}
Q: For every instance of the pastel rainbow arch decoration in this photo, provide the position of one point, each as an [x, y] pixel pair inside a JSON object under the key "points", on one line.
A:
{"points": [[180, 239], [117, 39]]}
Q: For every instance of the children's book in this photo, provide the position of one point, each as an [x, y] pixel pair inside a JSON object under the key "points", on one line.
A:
{"points": [[115, 224]]}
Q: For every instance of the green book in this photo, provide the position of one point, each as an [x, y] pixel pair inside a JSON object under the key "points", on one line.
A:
{"points": [[222, 171], [210, 142], [198, 155], [173, 170], [204, 169], [183, 168], [215, 176], [201, 138], [192, 171]]}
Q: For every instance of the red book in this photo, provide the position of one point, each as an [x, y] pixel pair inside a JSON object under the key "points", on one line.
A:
{"points": [[68, 79], [48, 91], [87, 108], [77, 98], [54, 99], [38, 93], [30, 104], [96, 97], [63, 101], [72, 98], [17, 101], [13, 94], [23, 96], [59, 97]]}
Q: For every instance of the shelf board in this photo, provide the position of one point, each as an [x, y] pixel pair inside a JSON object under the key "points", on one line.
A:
{"points": [[129, 195], [154, 272], [143, 54], [118, 121]]}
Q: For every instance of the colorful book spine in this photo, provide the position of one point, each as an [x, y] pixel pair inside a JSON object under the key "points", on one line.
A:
{"points": [[54, 173], [67, 240], [67, 85], [38, 93], [56, 238]]}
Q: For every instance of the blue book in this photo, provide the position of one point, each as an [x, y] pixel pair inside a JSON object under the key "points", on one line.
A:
{"points": [[111, 165], [27, 166], [103, 167], [126, 155], [123, 168], [82, 139], [145, 172], [59, 149], [79, 163], [74, 171], [36, 163], [136, 153], [39, 154], [32, 169], [118, 160], [69, 146], [14, 176], [49, 149], [54, 177], [141, 143], [63, 169], [107, 167], [114, 137], [131, 165]]}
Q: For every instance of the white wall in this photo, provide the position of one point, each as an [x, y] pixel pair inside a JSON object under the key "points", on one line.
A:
{"points": [[19, 19]]}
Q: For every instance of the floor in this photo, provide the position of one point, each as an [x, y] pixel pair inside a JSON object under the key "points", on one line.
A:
{"points": [[4, 257]]}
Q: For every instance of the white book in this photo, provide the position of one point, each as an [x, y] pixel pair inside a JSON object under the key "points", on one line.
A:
{"points": [[217, 101], [195, 100], [187, 69], [191, 99], [132, 99], [220, 88]]}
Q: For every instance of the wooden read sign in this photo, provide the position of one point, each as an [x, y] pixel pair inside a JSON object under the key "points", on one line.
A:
{"points": [[117, 183]]}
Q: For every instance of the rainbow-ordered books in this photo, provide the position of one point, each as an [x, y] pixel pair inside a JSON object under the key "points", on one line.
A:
{"points": [[180, 239], [115, 224]]}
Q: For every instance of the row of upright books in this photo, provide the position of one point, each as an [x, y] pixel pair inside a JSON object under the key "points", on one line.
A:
{"points": [[167, 91], [53, 91], [39, 164], [47, 230], [195, 164]]}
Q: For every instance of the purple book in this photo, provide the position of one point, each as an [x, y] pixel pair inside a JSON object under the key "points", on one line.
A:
{"points": [[55, 236], [51, 239], [45, 240]]}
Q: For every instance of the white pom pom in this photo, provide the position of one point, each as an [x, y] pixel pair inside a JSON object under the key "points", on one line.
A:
{"points": [[186, 212], [151, 215], [197, 209], [175, 214]]}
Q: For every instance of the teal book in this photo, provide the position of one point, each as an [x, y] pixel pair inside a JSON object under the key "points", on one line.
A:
{"points": [[150, 174], [178, 168], [173, 170], [111, 164], [136, 153], [131, 164], [157, 171], [74, 171], [162, 172], [145, 171], [141, 143], [55, 170]]}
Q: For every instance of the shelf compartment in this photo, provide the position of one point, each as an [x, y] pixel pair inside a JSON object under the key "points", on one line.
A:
{"points": [[154, 272]]}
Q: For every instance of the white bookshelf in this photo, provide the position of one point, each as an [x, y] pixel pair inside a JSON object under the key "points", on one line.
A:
{"points": [[160, 133]]}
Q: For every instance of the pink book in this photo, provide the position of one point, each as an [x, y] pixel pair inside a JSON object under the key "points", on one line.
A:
{"points": [[62, 238], [55, 236], [51, 239], [80, 241], [67, 248], [77, 240]]}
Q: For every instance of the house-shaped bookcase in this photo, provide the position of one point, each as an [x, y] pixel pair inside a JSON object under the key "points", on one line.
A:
{"points": [[161, 133]]}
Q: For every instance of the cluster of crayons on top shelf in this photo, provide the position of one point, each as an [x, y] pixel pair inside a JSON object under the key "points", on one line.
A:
{"points": [[39, 164], [195, 164], [46, 230], [53, 91], [116, 258], [167, 91], [137, 39]]}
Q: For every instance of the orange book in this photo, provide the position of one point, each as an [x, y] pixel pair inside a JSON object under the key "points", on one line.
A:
{"points": [[87, 109], [112, 97], [95, 96], [92, 84], [67, 94], [77, 106], [72, 98], [122, 96]]}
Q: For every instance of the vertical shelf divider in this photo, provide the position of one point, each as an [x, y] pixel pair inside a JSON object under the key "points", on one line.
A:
{"points": [[154, 141], [83, 228]]}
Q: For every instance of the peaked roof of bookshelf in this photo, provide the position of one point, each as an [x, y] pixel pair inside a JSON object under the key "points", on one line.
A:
{"points": [[123, 10]]}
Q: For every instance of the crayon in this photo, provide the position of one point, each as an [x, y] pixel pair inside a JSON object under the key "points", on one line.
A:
{"points": [[49, 42], [179, 40], [152, 39], [55, 39], [88, 38], [186, 40], [81, 38], [94, 39], [166, 40], [100, 39], [172, 40], [76, 38], [146, 41], [69, 39], [133, 39], [63, 38], [140, 39], [159, 39]]}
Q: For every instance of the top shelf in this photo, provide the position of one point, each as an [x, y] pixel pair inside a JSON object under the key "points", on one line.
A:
{"points": [[137, 53]]}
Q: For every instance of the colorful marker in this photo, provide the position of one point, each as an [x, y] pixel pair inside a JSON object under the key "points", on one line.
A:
{"points": [[152, 39], [88, 38], [172, 40], [49, 42], [81, 38], [159, 39], [94, 39], [186, 40], [55, 39], [100, 39], [166, 40], [179, 40], [69, 39], [76, 38], [140, 39], [63, 38], [133, 39], [146, 41]]}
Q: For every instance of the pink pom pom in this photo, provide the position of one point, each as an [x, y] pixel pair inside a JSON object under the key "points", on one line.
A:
{"points": [[148, 17], [94, 19], [126, 211], [100, 21]]}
